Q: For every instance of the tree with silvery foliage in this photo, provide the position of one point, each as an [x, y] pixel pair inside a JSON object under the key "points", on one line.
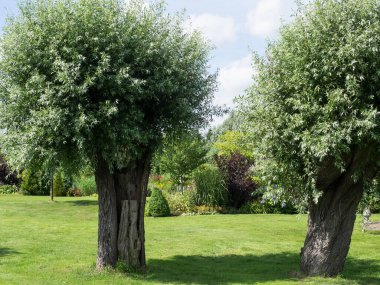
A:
{"points": [[101, 81], [313, 111]]}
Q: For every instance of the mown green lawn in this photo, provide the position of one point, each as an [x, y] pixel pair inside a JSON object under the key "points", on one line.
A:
{"points": [[55, 243]]}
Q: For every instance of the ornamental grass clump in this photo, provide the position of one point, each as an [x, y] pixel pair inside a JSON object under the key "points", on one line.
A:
{"points": [[210, 186]]}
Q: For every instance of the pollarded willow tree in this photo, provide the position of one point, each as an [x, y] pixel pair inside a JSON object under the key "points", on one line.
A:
{"points": [[102, 80], [314, 109]]}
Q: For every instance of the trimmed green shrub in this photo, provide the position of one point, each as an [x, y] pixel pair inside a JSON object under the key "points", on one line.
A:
{"points": [[210, 186], [157, 205], [30, 184], [8, 189], [86, 185], [58, 186]]}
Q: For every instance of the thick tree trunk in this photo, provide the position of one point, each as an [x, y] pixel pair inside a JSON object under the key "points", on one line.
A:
{"points": [[122, 197], [108, 226], [331, 221], [131, 187], [129, 241], [330, 227]]}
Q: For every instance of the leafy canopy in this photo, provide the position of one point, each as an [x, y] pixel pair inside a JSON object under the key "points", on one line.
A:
{"points": [[98, 77], [232, 142], [317, 91], [180, 157]]}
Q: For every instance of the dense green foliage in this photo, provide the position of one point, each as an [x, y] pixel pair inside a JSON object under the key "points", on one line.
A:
{"points": [[316, 94], [210, 186], [162, 182], [189, 203], [158, 205], [58, 185], [8, 189], [267, 207], [179, 158], [181, 202], [219, 249], [89, 78], [234, 141], [34, 182], [371, 197], [86, 184]]}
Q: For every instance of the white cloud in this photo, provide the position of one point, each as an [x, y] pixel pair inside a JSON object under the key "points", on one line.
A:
{"points": [[216, 28], [265, 19], [234, 79]]}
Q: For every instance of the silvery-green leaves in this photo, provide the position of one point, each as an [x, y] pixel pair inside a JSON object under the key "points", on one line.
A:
{"points": [[98, 77], [317, 90]]}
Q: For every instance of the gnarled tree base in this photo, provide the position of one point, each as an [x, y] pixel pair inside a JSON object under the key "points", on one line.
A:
{"points": [[121, 235], [331, 221], [329, 233]]}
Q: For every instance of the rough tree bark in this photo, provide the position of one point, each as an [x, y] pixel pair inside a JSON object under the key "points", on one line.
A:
{"points": [[107, 223], [330, 227], [331, 221], [122, 197], [131, 187]]}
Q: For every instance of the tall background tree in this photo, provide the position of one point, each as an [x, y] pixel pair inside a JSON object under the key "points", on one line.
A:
{"points": [[101, 80], [314, 113], [181, 156]]}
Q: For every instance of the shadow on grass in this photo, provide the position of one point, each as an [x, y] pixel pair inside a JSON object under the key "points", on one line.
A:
{"points": [[82, 202], [7, 251], [246, 269], [361, 270]]}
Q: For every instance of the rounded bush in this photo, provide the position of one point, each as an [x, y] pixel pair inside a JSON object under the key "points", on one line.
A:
{"points": [[158, 205], [30, 184]]}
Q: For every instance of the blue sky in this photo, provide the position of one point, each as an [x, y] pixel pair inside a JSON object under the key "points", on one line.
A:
{"points": [[236, 28]]}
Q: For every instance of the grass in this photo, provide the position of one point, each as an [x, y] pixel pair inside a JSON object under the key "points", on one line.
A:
{"points": [[43, 242]]}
